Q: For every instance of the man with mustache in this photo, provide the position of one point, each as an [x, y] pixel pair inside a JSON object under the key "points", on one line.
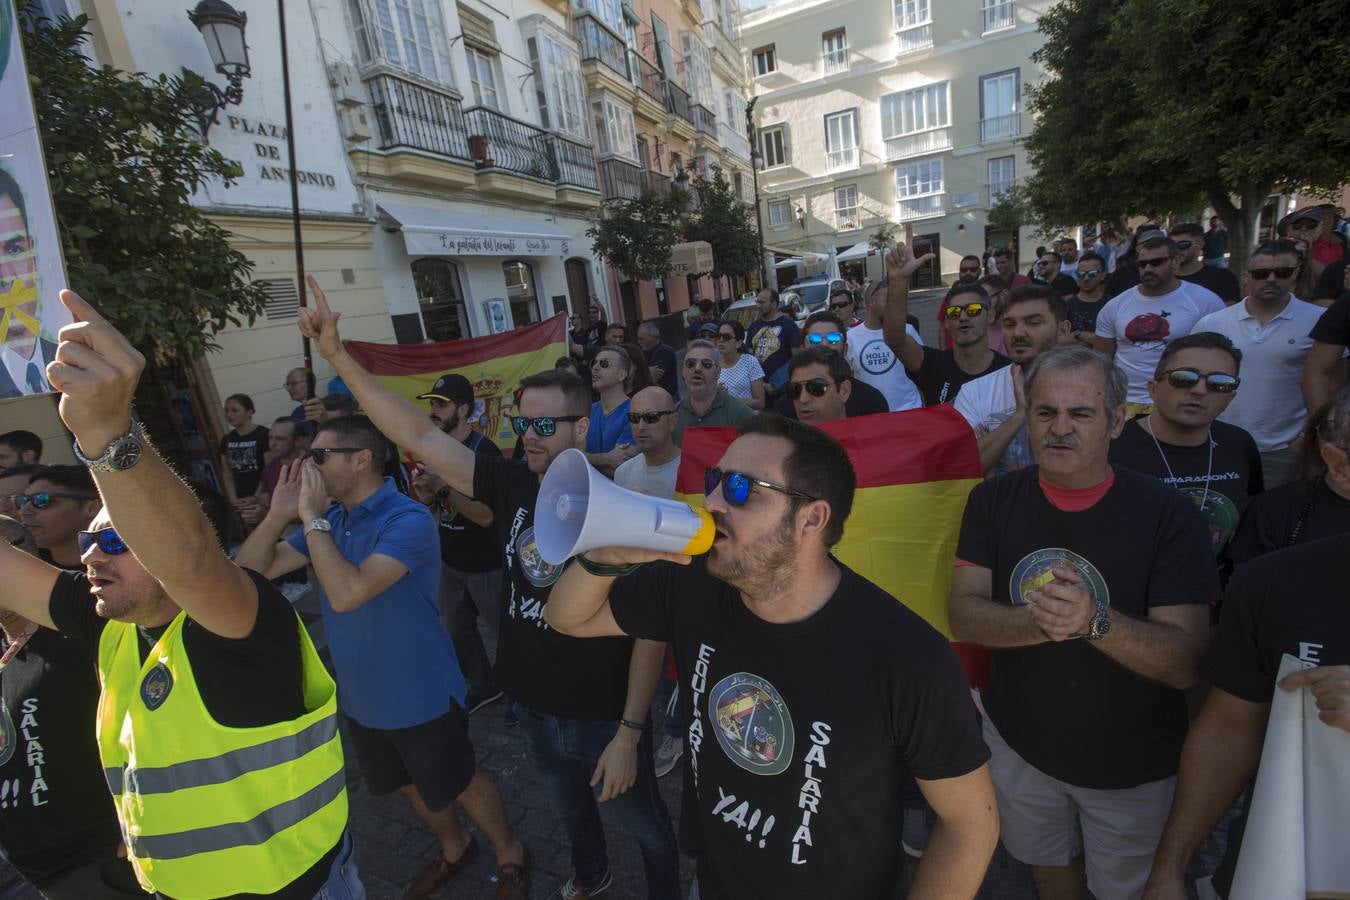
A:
{"points": [[1093, 644]]}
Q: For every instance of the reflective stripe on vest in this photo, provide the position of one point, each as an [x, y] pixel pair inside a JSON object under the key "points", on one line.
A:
{"points": [[239, 834]]}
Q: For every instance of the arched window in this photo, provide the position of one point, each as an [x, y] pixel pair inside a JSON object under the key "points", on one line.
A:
{"points": [[520, 292], [440, 299]]}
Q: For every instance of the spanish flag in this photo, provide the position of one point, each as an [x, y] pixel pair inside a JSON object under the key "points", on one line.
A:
{"points": [[494, 365], [914, 471]]}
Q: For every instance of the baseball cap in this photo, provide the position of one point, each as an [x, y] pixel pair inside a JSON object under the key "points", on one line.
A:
{"points": [[1307, 212], [708, 327], [1149, 237], [452, 388]]}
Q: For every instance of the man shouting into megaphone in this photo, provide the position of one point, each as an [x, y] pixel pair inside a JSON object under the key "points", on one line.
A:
{"points": [[582, 705], [812, 691]]}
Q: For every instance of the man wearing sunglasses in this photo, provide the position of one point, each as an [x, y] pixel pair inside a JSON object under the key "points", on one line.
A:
{"points": [[1087, 302], [939, 374], [967, 272], [1213, 463], [872, 358], [212, 693], [819, 384], [1091, 585], [57, 505], [1271, 327], [706, 402], [1190, 238], [651, 415], [582, 707], [823, 330], [844, 304], [1137, 324], [13, 482], [1047, 269]]}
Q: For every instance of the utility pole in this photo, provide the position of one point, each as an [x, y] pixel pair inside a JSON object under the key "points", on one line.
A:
{"points": [[756, 160]]}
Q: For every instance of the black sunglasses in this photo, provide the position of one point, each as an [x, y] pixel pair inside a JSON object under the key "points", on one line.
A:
{"points": [[697, 363], [544, 426], [1218, 382], [816, 387], [834, 338], [726, 335], [736, 486], [1089, 273], [602, 363], [320, 454], [43, 499], [651, 418], [835, 307], [1278, 272], [970, 309], [1152, 263], [107, 539]]}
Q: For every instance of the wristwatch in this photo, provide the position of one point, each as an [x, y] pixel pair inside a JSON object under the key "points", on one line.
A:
{"points": [[120, 455], [1100, 626], [319, 524]]}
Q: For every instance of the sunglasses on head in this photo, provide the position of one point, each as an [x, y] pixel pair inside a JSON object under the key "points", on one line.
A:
{"points": [[108, 540], [816, 387], [651, 418], [696, 363], [736, 486], [320, 454], [834, 338], [43, 499], [842, 304], [544, 426], [1218, 382], [1278, 272], [1151, 263], [970, 309]]}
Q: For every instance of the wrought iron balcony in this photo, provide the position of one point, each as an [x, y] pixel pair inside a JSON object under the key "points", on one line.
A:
{"points": [[839, 160], [998, 14], [648, 76], [409, 115], [705, 120], [620, 180], [655, 181], [915, 144], [599, 43], [835, 60], [575, 163], [510, 144], [1000, 128], [911, 208], [914, 38], [677, 102]]}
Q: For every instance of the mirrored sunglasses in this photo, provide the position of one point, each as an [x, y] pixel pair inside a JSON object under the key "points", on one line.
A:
{"points": [[544, 426], [970, 309], [107, 539], [736, 486], [816, 387], [1218, 382], [43, 499], [834, 338]]}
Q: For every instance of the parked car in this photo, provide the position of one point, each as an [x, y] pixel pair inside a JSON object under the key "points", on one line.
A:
{"points": [[814, 292]]}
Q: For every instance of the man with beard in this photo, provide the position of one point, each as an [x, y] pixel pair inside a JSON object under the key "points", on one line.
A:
{"points": [[1034, 321], [471, 570], [965, 314], [582, 707], [1003, 260], [796, 753], [967, 272], [23, 368], [772, 337], [1092, 647], [1047, 269], [1190, 238]]}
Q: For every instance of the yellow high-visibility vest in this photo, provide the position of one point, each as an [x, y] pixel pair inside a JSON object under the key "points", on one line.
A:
{"points": [[206, 810]]}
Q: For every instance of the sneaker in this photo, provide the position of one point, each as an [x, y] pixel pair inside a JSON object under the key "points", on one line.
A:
{"points": [[668, 754], [571, 891], [473, 703], [914, 832]]}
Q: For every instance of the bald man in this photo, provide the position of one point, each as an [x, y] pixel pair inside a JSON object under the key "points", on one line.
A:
{"points": [[651, 416]]}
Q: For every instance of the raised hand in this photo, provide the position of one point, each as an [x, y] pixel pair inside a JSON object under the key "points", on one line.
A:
{"points": [[313, 495], [319, 322], [286, 495], [900, 263], [96, 370]]}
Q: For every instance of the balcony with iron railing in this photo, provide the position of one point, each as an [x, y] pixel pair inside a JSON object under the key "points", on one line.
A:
{"points": [[705, 120], [575, 163], [835, 60], [648, 77], [620, 180], [907, 145], [410, 115], [678, 103], [913, 38], [1000, 128], [733, 140], [909, 208], [523, 149], [841, 160], [998, 15], [600, 44], [847, 219], [656, 182]]}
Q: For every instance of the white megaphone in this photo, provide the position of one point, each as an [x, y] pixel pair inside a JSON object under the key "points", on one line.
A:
{"points": [[579, 509]]}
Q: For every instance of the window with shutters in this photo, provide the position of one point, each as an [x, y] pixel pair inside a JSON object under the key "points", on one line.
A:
{"points": [[697, 69], [408, 34], [773, 146], [557, 82], [614, 131], [483, 78], [834, 51], [841, 140], [282, 300]]}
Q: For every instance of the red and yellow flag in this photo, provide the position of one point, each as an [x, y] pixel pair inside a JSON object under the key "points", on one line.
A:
{"points": [[914, 471], [494, 365]]}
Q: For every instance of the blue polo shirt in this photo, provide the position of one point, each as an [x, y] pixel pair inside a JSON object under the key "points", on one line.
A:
{"points": [[395, 664], [608, 430]]}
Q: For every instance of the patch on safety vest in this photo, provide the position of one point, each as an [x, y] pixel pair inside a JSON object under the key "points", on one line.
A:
{"points": [[155, 687]]}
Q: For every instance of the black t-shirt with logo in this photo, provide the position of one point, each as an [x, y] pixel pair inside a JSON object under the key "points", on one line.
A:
{"points": [[551, 673], [1066, 707], [1083, 313], [1292, 513], [244, 455], [800, 734], [1290, 601], [244, 682], [1232, 476], [56, 814], [465, 546], [939, 378], [1221, 281]]}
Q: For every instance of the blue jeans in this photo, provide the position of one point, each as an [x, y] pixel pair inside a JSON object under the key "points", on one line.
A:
{"points": [[565, 752], [344, 882]]}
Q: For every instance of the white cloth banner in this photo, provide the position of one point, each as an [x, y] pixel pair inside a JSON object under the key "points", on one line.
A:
{"points": [[1297, 843]]}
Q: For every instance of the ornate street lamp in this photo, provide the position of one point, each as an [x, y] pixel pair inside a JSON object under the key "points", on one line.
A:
{"points": [[222, 28]]}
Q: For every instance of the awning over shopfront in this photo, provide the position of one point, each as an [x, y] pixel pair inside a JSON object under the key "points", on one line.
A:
{"points": [[693, 258], [860, 250], [442, 232]]}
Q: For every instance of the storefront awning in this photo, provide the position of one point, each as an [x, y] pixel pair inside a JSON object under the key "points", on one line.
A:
{"points": [[860, 250], [441, 232]]}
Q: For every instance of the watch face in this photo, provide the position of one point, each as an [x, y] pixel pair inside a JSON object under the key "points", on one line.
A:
{"points": [[125, 454]]}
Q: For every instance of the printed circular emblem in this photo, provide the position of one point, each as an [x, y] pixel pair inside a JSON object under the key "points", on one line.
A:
{"points": [[1033, 573], [1220, 514], [753, 724], [876, 358], [155, 687], [8, 737], [537, 572]]}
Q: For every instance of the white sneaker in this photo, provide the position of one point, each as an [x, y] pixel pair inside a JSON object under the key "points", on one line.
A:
{"points": [[668, 754]]}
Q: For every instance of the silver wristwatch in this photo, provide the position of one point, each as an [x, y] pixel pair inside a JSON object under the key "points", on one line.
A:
{"points": [[319, 524], [120, 455], [1100, 626]]}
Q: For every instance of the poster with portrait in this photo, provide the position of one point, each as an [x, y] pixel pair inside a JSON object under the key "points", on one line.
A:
{"points": [[31, 270]]}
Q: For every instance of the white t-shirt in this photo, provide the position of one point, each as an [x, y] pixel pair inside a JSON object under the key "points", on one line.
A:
{"points": [[738, 378], [1142, 327], [875, 363], [1269, 402], [986, 403], [657, 481]]}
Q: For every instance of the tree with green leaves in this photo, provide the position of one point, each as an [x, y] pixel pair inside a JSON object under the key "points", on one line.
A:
{"points": [[635, 237], [724, 221], [124, 158], [884, 237], [1157, 106]]}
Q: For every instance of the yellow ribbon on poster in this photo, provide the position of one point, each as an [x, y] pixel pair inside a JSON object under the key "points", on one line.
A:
{"points": [[10, 304]]}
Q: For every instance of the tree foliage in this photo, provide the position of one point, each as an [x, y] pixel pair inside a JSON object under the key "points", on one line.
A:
{"points": [[884, 237], [635, 237], [1156, 106], [723, 220], [124, 158]]}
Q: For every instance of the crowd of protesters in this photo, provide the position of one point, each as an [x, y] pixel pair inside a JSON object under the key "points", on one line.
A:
{"points": [[1166, 451]]}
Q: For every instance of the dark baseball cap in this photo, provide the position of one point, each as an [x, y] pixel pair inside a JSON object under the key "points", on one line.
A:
{"points": [[452, 388]]}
